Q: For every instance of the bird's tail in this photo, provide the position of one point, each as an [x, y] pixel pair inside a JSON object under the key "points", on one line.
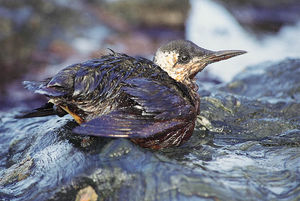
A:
{"points": [[46, 110]]}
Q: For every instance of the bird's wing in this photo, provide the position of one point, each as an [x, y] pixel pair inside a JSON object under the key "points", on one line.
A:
{"points": [[61, 84], [97, 77], [154, 109]]}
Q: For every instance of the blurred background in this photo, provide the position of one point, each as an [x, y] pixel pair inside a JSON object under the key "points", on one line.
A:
{"points": [[40, 37]]}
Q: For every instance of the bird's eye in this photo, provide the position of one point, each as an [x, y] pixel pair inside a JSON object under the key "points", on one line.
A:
{"points": [[184, 58]]}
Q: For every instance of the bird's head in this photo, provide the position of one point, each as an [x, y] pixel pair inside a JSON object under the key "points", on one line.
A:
{"points": [[182, 59]]}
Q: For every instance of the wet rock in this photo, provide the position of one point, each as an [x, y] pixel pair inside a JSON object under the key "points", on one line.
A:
{"points": [[246, 146], [287, 88], [257, 104], [17, 172]]}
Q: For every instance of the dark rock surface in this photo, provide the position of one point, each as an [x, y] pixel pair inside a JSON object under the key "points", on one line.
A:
{"points": [[251, 150]]}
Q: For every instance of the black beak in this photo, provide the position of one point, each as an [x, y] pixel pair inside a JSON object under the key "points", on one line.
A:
{"points": [[222, 55]]}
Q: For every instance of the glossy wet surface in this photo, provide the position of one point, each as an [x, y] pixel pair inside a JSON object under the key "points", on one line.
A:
{"points": [[251, 151]]}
